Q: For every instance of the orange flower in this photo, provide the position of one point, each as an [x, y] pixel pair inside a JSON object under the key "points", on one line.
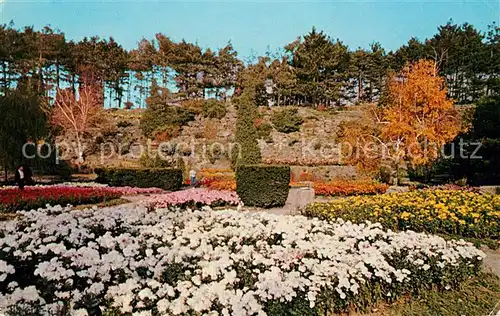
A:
{"points": [[222, 185], [349, 187]]}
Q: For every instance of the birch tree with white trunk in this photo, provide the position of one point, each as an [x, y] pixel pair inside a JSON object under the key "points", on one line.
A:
{"points": [[76, 114]]}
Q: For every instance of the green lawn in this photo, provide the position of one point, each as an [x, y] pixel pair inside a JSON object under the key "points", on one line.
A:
{"points": [[479, 296]]}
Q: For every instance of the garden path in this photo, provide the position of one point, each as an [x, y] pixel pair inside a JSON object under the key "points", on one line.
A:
{"points": [[492, 261]]}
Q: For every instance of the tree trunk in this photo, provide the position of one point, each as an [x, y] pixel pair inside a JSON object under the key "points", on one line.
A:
{"points": [[57, 74], [79, 150], [360, 89], [110, 98], [41, 85], [129, 84], [164, 79], [5, 82], [397, 162], [397, 173], [73, 83]]}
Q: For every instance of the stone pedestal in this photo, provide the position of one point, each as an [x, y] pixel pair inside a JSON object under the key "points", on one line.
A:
{"points": [[298, 198]]}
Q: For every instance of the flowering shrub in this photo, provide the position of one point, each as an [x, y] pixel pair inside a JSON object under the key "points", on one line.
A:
{"points": [[462, 213], [349, 187], [35, 197], [194, 198], [126, 260]]}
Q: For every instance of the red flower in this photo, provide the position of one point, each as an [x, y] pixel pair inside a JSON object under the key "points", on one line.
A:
{"points": [[35, 197]]}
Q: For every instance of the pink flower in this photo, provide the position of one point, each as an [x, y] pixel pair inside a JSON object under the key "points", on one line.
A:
{"points": [[195, 197]]}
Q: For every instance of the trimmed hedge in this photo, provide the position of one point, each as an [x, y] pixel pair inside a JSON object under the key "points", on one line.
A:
{"points": [[167, 179], [246, 133], [263, 186]]}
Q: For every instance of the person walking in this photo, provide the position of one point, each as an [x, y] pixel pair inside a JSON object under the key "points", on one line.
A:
{"points": [[20, 178], [192, 175]]}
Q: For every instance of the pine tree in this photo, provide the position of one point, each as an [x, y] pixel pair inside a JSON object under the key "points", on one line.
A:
{"points": [[321, 66]]}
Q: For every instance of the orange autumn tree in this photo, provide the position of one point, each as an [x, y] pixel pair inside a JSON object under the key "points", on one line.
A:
{"points": [[77, 114], [418, 118]]}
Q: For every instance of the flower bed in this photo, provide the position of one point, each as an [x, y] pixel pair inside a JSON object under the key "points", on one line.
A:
{"points": [[64, 184], [349, 187], [34, 197], [125, 190], [455, 212], [222, 185], [128, 191], [126, 260], [455, 187], [217, 179], [194, 198], [13, 199]]}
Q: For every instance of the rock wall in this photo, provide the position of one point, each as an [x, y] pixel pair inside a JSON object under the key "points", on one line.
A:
{"points": [[202, 141], [313, 144]]}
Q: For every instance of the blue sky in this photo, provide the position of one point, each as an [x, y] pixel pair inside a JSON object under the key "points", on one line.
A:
{"points": [[252, 26]]}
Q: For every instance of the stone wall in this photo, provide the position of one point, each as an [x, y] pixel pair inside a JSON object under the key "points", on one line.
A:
{"points": [[326, 173], [316, 140]]}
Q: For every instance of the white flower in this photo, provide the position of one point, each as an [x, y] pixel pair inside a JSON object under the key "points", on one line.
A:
{"points": [[186, 261], [80, 312]]}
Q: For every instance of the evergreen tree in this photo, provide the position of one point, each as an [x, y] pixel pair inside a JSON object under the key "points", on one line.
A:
{"points": [[23, 121], [476, 152], [246, 133], [459, 52], [159, 115], [285, 79], [369, 68], [413, 51], [492, 61], [321, 66]]}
